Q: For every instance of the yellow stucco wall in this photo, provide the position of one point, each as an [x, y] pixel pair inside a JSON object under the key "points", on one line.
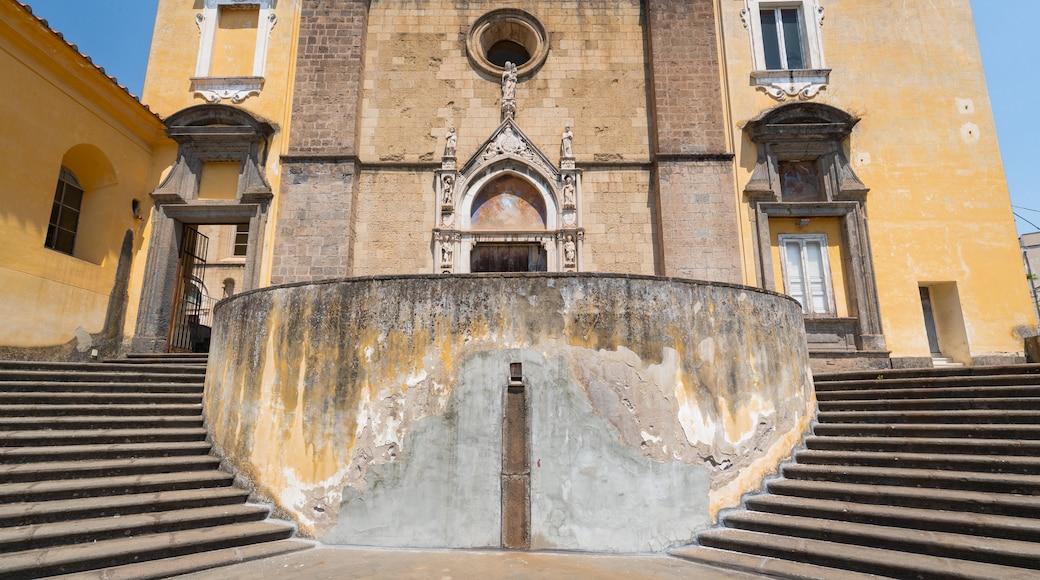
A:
{"points": [[64, 111], [926, 146], [171, 65]]}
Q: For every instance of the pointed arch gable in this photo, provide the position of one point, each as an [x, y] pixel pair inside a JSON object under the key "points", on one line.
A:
{"points": [[509, 207]]}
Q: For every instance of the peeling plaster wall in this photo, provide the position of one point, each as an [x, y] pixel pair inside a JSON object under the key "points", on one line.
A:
{"points": [[370, 409]]}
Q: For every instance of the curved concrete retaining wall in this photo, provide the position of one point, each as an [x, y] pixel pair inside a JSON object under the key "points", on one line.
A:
{"points": [[371, 409]]}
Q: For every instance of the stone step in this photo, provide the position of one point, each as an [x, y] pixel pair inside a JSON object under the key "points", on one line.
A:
{"points": [[989, 417], [989, 525], [771, 567], [964, 480], [1010, 403], [1018, 553], [97, 436], [121, 366], [940, 383], [56, 410], [935, 430], [65, 470], [99, 398], [98, 387], [888, 374], [859, 558], [945, 391], [134, 374], [9, 455], [27, 513], [114, 552], [966, 501], [957, 446], [179, 565], [165, 356], [36, 536], [107, 486], [950, 379], [102, 422], [952, 462]]}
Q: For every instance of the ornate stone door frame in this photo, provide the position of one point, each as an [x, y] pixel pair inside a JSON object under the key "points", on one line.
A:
{"points": [[203, 133], [507, 152], [813, 131]]}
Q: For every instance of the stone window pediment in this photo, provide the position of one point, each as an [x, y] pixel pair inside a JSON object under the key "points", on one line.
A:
{"points": [[803, 133], [215, 133]]}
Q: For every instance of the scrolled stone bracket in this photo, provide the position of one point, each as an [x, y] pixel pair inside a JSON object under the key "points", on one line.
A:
{"points": [[784, 84], [236, 89]]}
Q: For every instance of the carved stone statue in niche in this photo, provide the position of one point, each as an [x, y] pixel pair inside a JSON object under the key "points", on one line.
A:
{"points": [[446, 254], [450, 141], [509, 91], [565, 143], [568, 192], [569, 251], [447, 189], [509, 82]]}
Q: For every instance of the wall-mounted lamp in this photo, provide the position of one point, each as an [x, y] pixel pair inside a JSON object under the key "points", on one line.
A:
{"points": [[516, 375], [135, 207], [803, 222]]}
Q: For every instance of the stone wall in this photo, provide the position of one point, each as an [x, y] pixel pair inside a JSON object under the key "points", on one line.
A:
{"points": [[370, 410], [619, 221], [686, 77], [315, 229], [315, 233], [419, 79], [699, 235]]}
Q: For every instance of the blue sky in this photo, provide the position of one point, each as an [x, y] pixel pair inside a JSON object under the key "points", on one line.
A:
{"points": [[117, 33]]}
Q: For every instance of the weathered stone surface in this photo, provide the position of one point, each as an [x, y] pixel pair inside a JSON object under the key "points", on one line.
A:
{"points": [[371, 408]]}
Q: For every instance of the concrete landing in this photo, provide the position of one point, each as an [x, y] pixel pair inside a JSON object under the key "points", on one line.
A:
{"points": [[340, 562]]}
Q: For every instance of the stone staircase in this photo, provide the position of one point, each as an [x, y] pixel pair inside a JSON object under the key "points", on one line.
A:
{"points": [[917, 473], [105, 472]]}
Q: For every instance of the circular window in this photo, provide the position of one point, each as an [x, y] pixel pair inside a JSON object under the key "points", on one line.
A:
{"points": [[507, 35]]}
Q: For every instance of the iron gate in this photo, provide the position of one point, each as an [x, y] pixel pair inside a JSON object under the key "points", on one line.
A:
{"points": [[187, 331]]}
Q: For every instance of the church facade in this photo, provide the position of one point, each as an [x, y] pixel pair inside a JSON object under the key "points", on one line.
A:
{"points": [[825, 150]]}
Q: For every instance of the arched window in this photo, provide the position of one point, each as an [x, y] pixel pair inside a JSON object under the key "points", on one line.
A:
{"points": [[64, 222], [508, 204]]}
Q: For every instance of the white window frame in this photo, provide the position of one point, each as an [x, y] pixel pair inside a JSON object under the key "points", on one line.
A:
{"points": [[238, 89], [804, 83], [802, 239]]}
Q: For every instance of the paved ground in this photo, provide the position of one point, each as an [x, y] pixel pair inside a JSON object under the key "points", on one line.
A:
{"points": [[341, 563]]}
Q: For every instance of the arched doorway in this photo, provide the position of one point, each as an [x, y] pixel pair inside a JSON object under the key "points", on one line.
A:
{"points": [[507, 210], [217, 180], [508, 204]]}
